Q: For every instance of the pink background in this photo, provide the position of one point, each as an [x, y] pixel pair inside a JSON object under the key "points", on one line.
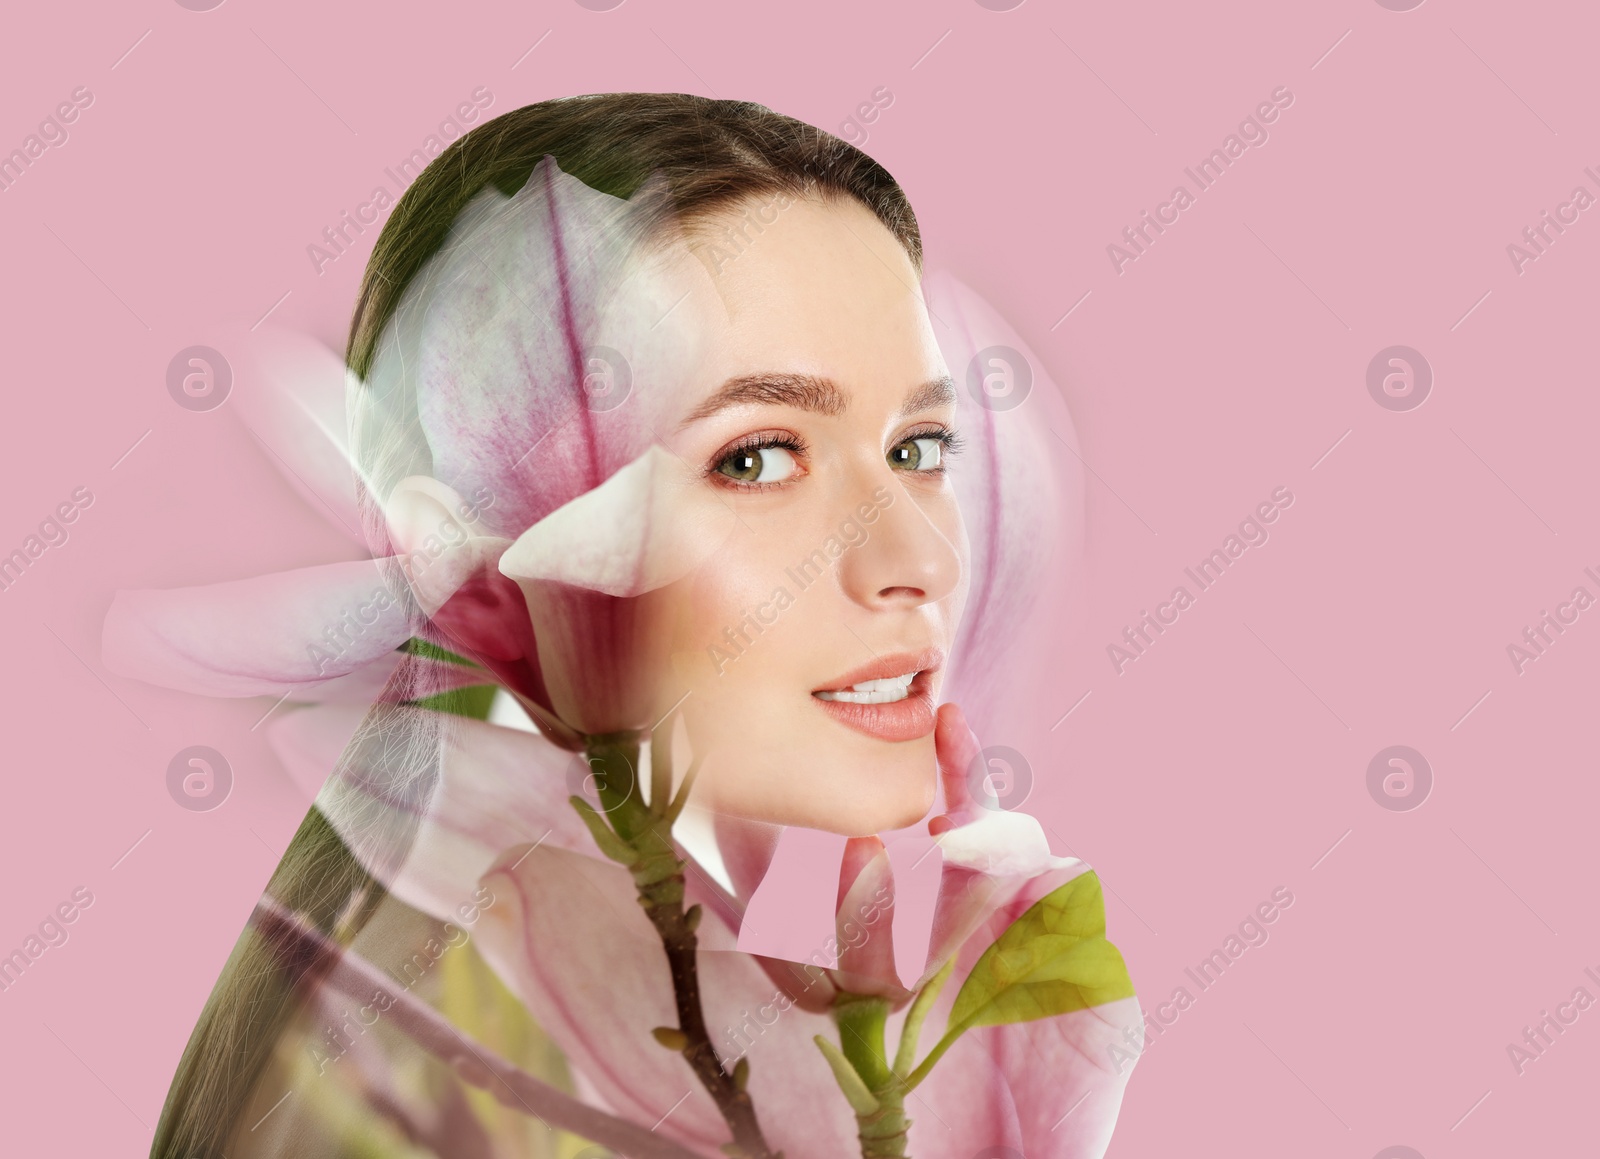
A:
{"points": [[1225, 362]]}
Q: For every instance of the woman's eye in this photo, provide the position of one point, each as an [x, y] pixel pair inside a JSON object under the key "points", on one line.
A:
{"points": [[759, 465], [917, 455]]}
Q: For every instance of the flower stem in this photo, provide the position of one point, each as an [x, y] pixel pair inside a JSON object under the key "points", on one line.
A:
{"points": [[881, 1122], [883, 1133], [658, 875]]}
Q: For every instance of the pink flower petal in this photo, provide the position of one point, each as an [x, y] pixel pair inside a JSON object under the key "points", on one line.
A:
{"points": [[1064, 1076], [809, 986], [529, 348], [598, 657], [1064, 1063], [1002, 843], [864, 921], [365, 684], [290, 391], [1060, 1064], [568, 937], [1020, 484], [486, 620], [497, 788], [263, 636], [965, 1108]]}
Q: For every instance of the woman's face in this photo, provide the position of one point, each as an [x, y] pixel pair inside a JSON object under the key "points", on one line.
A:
{"points": [[817, 409]]}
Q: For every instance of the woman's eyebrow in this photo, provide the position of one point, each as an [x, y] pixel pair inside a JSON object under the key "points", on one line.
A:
{"points": [[930, 396], [801, 391], [809, 392]]}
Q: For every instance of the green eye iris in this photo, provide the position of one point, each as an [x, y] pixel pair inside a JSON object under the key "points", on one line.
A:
{"points": [[917, 455], [758, 465], [744, 466]]}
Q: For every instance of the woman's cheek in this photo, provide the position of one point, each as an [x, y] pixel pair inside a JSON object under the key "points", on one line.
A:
{"points": [[712, 605], [718, 590], [944, 512], [945, 515]]}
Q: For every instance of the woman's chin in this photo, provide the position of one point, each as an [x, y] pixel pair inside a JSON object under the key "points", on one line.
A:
{"points": [[889, 816], [889, 786], [851, 793]]}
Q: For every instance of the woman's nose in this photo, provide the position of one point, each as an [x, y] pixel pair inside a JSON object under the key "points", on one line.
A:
{"points": [[904, 560]]}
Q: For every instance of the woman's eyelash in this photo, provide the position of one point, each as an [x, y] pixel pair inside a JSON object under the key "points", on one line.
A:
{"points": [[951, 441], [762, 442], [757, 442]]}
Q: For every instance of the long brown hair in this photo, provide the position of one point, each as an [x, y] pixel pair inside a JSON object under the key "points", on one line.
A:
{"points": [[712, 154]]}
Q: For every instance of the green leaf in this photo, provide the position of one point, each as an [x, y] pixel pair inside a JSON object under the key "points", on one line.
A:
{"points": [[1054, 959], [473, 701], [417, 646]]}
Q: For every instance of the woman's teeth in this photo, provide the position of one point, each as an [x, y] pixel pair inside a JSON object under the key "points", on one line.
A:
{"points": [[885, 691]]}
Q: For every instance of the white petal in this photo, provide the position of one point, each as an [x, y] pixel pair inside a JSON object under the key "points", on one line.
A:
{"points": [[1002, 843], [290, 392], [649, 524]]}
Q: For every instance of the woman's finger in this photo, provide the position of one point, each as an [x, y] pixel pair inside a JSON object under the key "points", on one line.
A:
{"points": [[957, 749]]}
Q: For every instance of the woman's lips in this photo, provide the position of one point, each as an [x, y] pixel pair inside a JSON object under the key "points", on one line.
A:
{"points": [[907, 718]]}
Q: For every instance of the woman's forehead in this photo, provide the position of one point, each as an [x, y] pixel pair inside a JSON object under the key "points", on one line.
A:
{"points": [[822, 290], [819, 259]]}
